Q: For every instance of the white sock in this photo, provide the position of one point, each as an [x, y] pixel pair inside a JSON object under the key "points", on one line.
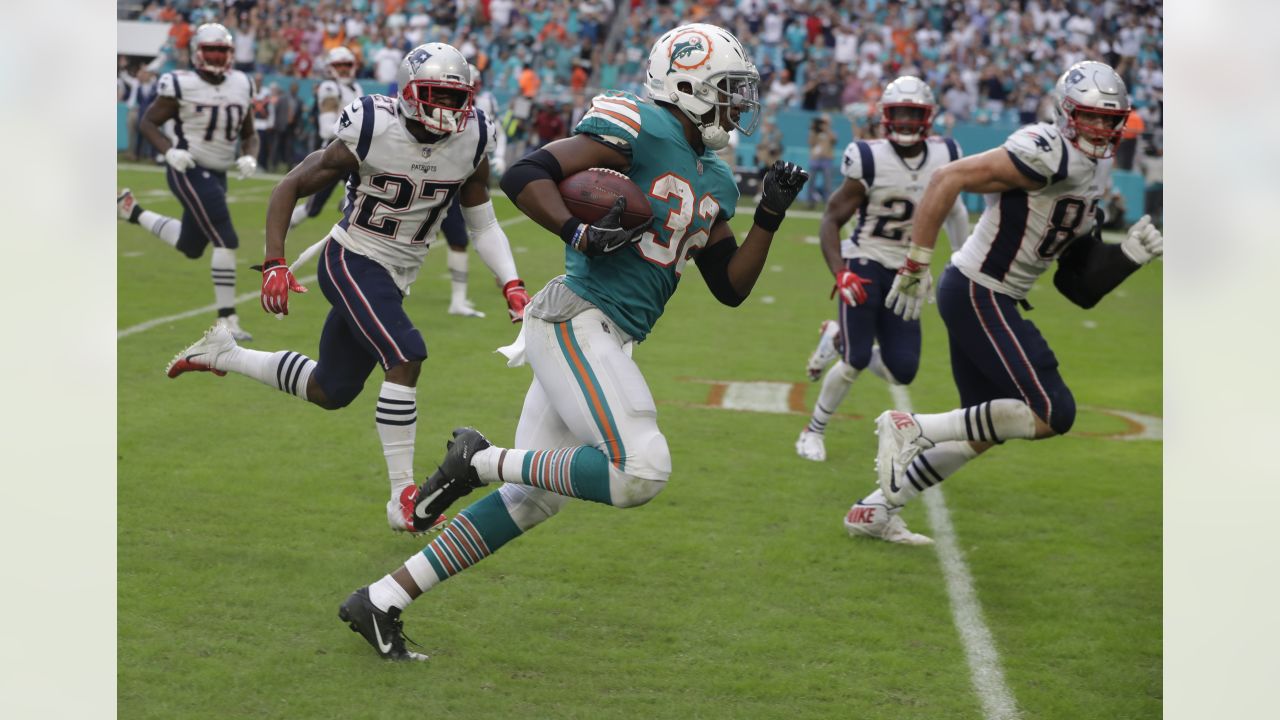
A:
{"points": [[933, 466], [166, 228], [419, 567], [299, 215], [457, 262], [835, 386], [495, 464], [387, 593], [877, 367], [284, 370], [396, 418], [994, 421], [222, 266]]}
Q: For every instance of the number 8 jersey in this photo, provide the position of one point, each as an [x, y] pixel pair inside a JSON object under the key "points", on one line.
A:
{"points": [[404, 186], [209, 116], [894, 188], [1022, 232]]}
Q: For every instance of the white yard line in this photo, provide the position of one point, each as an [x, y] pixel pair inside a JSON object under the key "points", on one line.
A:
{"points": [[244, 297], [979, 647]]}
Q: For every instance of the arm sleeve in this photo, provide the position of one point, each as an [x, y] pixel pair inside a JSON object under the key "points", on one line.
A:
{"points": [[957, 224], [713, 263], [490, 242], [1089, 269]]}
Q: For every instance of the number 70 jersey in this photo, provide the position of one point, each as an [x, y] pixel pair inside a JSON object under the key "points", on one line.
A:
{"points": [[404, 187], [209, 116]]}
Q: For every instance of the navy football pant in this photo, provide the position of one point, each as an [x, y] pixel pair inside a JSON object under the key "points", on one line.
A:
{"points": [[996, 353], [367, 325], [871, 321], [205, 218]]}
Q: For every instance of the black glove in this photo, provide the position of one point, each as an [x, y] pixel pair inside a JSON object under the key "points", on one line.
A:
{"points": [[604, 236], [781, 186]]}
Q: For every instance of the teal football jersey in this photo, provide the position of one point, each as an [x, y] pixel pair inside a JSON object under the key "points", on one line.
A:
{"points": [[687, 193]]}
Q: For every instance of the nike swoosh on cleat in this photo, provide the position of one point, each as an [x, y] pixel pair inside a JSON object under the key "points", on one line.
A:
{"points": [[893, 485], [382, 647], [422, 504]]}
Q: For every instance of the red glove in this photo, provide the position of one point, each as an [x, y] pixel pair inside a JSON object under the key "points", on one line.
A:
{"points": [[850, 286], [517, 298], [277, 282]]}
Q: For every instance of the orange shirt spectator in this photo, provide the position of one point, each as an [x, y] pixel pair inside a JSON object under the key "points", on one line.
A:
{"points": [[330, 42], [553, 30], [390, 7], [181, 32], [1133, 126], [579, 80], [529, 82]]}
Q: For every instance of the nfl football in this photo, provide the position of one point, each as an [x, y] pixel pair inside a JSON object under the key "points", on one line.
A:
{"points": [[591, 193]]}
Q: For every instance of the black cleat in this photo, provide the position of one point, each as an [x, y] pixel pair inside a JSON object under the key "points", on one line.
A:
{"points": [[383, 630], [454, 478]]}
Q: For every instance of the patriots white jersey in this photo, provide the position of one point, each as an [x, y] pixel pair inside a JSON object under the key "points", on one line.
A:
{"points": [[1022, 232], [894, 188], [209, 116], [346, 94], [404, 187]]}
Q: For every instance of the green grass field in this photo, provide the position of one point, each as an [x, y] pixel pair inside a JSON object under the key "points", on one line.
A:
{"points": [[245, 517]]}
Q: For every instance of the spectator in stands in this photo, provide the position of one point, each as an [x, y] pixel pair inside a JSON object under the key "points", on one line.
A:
{"points": [[782, 92], [264, 120], [288, 109], [529, 82], [822, 143], [245, 45], [1128, 146], [146, 94], [769, 147], [549, 123]]}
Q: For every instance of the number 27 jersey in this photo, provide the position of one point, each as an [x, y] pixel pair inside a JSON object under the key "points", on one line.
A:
{"points": [[1021, 232], [404, 187]]}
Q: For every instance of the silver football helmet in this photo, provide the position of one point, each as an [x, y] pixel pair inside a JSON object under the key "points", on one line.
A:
{"points": [[711, 63], [906, 110], [340, 64], [212, 50], [435, 87], [1094, 90]]}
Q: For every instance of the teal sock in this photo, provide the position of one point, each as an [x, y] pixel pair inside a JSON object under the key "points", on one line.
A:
{"points": [[580, 472], [474, 534]]}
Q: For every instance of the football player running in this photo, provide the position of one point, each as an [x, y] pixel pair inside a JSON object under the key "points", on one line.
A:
{"points": [[210, 107], [407, 157], [333, 94], [1043, 187], [589, 427], [883, 182]]}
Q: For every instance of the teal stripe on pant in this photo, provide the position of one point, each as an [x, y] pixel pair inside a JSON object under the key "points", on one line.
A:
{"points": [[474, 534]]}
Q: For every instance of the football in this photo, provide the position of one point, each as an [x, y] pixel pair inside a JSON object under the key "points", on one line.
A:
{"points": [[591, 193]]}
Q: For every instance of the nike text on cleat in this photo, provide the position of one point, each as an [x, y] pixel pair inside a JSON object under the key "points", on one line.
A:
{"points": [[383, 630], [811, 446], [125, 203], [900, 443], [202, 355], [453, 479], [826, 351], [879, 521]]}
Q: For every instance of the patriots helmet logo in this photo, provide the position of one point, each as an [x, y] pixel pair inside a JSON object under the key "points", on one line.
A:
{"points": [[689, 50], [417, 58], [1074, 77]]}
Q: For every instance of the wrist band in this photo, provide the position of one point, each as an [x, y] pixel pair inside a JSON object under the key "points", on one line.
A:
{"points": [[569, 231], [766, 220]]}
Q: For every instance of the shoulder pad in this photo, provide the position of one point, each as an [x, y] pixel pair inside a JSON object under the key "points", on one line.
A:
{"points": [[168, 86], [363, 119], [950, 146], [616, 117], [859, 163], [327, 89], [1039, 152]]}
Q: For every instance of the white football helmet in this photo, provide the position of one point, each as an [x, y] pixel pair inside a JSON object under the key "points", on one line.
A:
{"points": [[340, 64], [716, 74], [1094, 88], [435, 87], [210, 41], [906, 110]]}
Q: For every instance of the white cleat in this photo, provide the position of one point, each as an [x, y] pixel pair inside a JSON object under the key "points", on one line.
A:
{"points": [[202, 356], [464, 308], [900, 442], [826, 352], [400, 513], [811, 446], [125, 204], [879, 521], [232, 324]]}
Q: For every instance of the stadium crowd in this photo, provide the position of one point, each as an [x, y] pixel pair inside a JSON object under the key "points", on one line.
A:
{"points": [[987, 60]]}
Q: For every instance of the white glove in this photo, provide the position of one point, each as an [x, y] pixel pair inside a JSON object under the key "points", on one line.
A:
{"points": [[1144, 243], [247, 166], [179, 160], [912, 286]]}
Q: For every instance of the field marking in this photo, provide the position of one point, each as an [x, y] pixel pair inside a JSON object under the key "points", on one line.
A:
{"points": [[979, 646], [243, 297]]}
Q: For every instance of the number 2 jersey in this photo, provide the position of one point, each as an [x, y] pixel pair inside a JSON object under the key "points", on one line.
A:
{"points": [[404, 187], [688, 193], [1022, 232], [894, 188], [209, 116]]}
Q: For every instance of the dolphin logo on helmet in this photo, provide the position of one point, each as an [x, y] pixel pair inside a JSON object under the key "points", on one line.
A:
{"points": [[686, 48]]}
